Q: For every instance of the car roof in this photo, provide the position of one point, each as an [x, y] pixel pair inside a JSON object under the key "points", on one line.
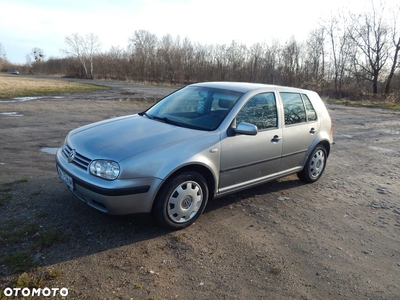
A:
{"points": [[245, 87]]}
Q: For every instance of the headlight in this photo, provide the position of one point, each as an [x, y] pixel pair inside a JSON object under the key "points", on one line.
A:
{"points": [[105, 169]]}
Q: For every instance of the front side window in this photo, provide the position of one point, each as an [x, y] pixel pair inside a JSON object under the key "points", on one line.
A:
{"points": [[293, 107], [260, 111]]}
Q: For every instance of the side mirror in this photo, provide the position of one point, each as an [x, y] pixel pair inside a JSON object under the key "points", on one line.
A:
{"points": [[246, 128]]}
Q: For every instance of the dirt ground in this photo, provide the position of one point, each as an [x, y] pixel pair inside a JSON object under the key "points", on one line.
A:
{"points": [[338, 238]]}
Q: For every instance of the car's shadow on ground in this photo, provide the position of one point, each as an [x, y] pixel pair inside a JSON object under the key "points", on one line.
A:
{"points": [[68, 229], [265, 189]]}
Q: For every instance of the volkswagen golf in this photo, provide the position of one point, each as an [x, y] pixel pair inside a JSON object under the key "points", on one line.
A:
{"points": [[199, 143]]}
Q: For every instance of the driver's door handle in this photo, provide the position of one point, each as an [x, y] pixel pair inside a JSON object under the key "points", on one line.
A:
{"points": [[276, 139], [312, 130]]}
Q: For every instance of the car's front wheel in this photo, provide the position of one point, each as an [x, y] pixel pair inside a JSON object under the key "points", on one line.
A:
{"points": [[181, 200], [315, 165]]}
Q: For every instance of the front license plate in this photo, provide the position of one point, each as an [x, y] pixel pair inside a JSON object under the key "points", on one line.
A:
{"points": [[66, 178]]}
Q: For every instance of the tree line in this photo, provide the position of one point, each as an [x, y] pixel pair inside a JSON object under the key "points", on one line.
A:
{"points": [[351, 55]]}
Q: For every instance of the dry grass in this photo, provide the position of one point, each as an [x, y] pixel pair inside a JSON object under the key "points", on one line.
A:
{"points": [[12, 86], [364, 103]]}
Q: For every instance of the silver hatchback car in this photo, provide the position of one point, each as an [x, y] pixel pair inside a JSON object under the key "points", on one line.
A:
{"points": [[201, 142]]}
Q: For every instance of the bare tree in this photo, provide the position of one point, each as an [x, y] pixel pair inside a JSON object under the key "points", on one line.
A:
{"points": [[28, 59], [237, 57], [396, 52], [3, 57], [256, 54], [340, 50], [75, 49], [116, 56], [315, 57], [91, 47], [167, 61], [202, 62], [291, 62], [361, 50], [83, 48], [143, 46], [187, 55], [37, 54], [370, 35], [270, 63]]}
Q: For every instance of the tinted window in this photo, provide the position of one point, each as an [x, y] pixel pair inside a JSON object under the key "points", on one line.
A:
{"points": [[260, 111], [293, 107], [311, 115]]}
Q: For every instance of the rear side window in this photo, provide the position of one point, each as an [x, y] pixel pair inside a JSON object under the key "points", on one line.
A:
{"points": [[297, 108], [260, 111], [293, 107]]}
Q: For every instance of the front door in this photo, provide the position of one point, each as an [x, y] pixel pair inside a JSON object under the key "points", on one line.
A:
{"points": [[247, 159]]}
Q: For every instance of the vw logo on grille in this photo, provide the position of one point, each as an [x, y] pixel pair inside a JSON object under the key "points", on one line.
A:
{"points": [[71, 155]]}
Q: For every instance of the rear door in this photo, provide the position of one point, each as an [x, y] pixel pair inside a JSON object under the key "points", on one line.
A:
{"points": [[245, 159], [301, 127]]}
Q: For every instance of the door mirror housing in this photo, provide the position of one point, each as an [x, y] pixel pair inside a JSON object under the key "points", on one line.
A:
{"points": [[246, 128]]}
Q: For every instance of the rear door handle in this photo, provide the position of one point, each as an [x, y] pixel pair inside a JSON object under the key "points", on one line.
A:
{"points": [[312, 130]]}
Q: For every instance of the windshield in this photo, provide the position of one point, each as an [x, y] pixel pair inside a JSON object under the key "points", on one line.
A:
{"points": [[195, 107]]}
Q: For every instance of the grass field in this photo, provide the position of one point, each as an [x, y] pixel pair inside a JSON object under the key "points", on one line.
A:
{"points": [[364, 103], [12, 86]]}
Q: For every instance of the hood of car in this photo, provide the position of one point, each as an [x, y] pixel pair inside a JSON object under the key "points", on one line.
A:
{"points": [[120, 138]]}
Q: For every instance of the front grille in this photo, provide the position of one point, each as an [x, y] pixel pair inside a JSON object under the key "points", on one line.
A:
{"points": [[79, 160]]}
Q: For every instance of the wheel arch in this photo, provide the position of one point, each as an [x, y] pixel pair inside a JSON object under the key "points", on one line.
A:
{"points": [[305, 173], [200, 169], [326, 145]]}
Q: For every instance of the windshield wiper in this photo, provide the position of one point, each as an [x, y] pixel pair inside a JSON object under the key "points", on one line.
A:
{"points": [[169, 121], [177, 123], [143, 113], [164, 119]]}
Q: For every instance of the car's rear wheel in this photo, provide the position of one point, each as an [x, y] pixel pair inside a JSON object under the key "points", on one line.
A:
{"points": [[315, 165], [181, 200]]}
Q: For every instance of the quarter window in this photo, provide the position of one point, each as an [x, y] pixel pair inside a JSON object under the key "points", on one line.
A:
{"points": [[260, 111], [311, 115]]}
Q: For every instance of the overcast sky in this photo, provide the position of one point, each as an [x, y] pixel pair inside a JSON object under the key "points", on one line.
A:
{"points": [[26, 24]]}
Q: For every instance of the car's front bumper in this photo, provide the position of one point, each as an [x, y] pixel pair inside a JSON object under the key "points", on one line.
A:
{"points": [[117, 197]]}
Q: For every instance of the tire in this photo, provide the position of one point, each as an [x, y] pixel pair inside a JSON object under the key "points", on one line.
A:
{"points": [[181, 200], [314, 166]]}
